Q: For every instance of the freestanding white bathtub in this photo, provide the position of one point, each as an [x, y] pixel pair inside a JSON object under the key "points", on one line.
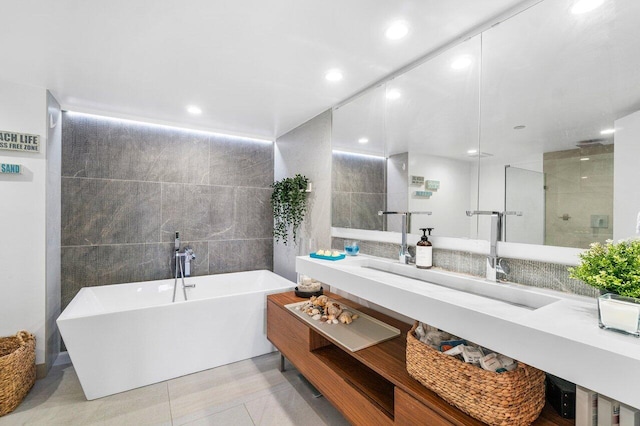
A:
{"points": [[124, 336]]}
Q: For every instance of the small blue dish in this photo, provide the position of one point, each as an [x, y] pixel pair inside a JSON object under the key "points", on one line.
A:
{"points": [[352, 250]]}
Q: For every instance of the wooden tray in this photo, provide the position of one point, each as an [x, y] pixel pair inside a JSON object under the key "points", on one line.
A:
{"points": [[363, 332]]}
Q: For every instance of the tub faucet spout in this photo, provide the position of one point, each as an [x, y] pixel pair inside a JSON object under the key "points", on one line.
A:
{"points": [[188, 256]]}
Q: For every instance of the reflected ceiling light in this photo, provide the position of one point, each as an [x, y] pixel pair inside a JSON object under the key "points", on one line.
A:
{"points": [[333, 75], [519, 127], [584, 177], [608, 131], [584, 159], [461, 62], [393, 94], [584, 6], [472, 151], [363, 140], [397, 30], [192, 109]]}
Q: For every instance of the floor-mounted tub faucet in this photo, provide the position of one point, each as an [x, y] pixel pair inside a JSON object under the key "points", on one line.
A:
{"points": [[404, 255], [188, 255]]}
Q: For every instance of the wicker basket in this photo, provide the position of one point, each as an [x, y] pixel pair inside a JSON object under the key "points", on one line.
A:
{"points": [[17, 369], [512, 398]]}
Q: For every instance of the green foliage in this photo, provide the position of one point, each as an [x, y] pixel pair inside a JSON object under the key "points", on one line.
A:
{"points": [[289, 204], [614, 268]]}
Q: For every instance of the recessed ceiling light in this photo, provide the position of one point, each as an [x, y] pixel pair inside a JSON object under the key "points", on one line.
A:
{"points": [[584, 6], [608, 131], [461, 62], [333, 75], [585, 177], [192, 109], [584, 159], [472, 151], [363, 140], [519, 127], [397, 30], [393, 94]]}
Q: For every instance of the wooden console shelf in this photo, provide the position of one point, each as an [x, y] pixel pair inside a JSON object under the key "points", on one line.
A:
{"points": [[370, 386]]}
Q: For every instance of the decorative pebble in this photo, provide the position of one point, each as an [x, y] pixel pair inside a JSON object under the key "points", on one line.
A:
{"points": [[316, 317], [354, 316], [334, 321]]}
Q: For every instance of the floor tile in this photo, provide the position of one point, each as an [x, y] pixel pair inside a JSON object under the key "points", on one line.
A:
{"points": [[202, 394], [282, 408], [236, 416], [244, 393]]}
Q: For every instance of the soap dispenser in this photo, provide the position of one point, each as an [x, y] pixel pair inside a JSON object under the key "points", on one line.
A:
{"points": [[424, 250]]}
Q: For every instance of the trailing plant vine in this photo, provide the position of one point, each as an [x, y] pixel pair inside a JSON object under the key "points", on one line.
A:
{"points": [[289, 204]]}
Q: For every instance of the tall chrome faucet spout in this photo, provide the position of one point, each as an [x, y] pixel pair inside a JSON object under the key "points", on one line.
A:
{"points": [[496, 235], [404, 255]]}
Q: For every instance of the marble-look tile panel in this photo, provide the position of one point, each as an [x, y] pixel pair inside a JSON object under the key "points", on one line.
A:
{"points": [[102, 148], [364, 211], [238, 162], [82, 215], [119, 264], [341, 209], [253, 213], [198, 212], [79, 269], [79, 146], [353, 173], [98, 211], [240, 255], [144, 152]]}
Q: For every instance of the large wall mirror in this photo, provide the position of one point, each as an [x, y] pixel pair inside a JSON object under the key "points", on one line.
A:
{"points": [[519, 119], [555, 79]]}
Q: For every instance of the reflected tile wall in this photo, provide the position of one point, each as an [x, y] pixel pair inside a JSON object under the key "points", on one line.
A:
{"points": [[579, 185], [128, 187], [358, 191]]}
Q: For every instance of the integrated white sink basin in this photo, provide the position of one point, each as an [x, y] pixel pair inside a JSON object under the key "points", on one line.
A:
{"points": [[505, 292], [553, 331]]}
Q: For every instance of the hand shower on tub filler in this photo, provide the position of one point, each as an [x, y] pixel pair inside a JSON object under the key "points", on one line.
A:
{"points": [[188, 256]]}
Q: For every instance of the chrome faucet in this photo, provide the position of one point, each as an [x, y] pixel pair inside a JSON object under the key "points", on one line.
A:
{"points": [[497, 268], [404, 256], [188, 256]]}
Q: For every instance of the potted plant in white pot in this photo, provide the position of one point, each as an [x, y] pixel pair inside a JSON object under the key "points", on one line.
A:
{"points": [[614, 268]]}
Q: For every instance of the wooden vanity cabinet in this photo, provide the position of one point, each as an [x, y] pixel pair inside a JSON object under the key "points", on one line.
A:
{"points": [[370, 386]]}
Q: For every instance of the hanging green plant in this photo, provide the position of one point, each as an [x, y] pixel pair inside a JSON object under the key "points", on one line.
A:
{"points": [[289, 204]]}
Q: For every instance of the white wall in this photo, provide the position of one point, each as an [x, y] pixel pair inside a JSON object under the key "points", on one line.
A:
{"points": [[449, 203], [626, 187], [306, 150], [22, 217]]}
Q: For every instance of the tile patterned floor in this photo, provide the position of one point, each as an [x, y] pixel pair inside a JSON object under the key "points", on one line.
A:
{"points": [[251, 392]]}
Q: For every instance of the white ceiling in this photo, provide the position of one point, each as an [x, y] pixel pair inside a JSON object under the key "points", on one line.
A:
{"points": [[255, 67]]}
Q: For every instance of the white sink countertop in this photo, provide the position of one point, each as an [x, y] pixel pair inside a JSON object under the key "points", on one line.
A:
{"points": [[553, 331]]}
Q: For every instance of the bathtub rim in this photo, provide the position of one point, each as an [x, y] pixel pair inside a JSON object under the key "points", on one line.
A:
{"points": [[66, 314]]}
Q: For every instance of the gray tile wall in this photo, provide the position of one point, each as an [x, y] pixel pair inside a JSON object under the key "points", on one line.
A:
{"points": [[358, 191], [128, 187], [527, 272]]}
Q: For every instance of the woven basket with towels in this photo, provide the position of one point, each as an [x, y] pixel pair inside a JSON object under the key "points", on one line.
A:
{"points": [[512, 398], [17, 369]]}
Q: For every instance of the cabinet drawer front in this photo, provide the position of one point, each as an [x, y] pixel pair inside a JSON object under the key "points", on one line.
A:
{"points": [[409, 412], [288, 334]]}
